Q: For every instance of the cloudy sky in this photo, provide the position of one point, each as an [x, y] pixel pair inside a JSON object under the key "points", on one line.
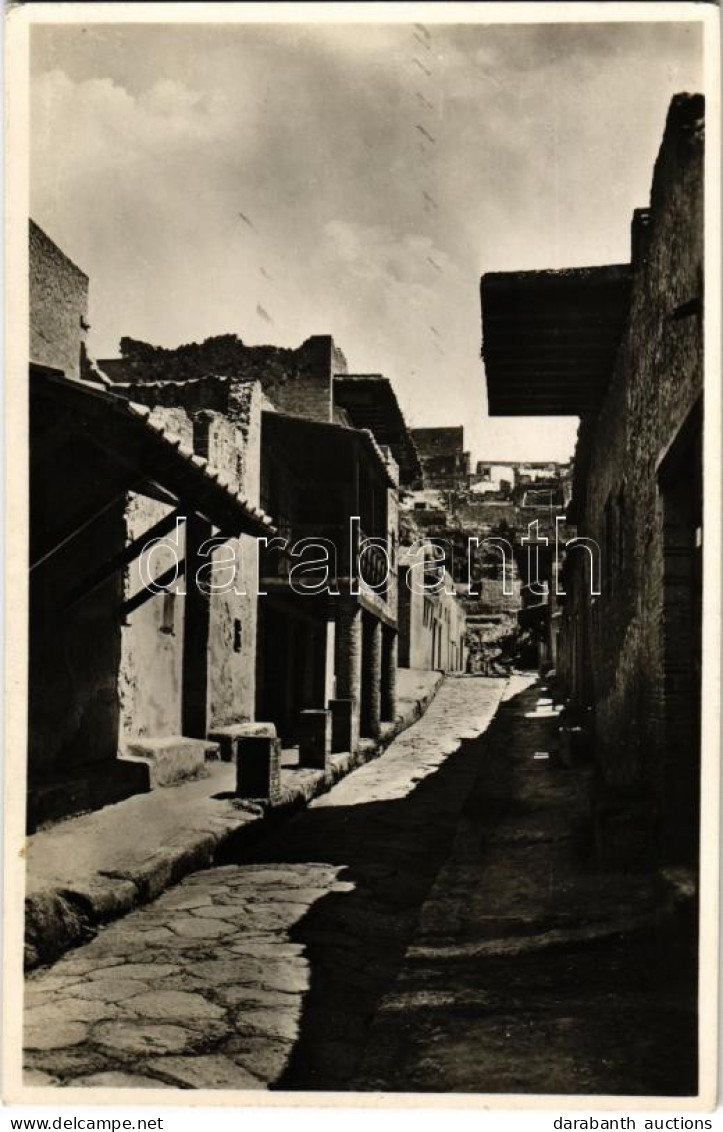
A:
{"points": [[288, 180]]}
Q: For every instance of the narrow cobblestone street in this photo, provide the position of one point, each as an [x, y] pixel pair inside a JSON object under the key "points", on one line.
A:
{"points": [[268, 973]]}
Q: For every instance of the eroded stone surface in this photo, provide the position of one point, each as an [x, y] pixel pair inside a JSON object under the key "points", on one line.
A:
{"points": [[206, 1072], [116, 1080], [143, 1038], [58, 1036], [173, 1004]]}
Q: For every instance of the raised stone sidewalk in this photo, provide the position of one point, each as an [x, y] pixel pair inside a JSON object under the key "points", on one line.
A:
{"points": [[88, 870]]}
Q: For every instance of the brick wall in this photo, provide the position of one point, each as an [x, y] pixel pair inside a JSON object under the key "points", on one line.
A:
{"points": [[309, 394], [58, 306], [296, 381], [657, 380]]}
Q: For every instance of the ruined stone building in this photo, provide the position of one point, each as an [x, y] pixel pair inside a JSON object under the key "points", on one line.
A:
{"points": [[200, 453], [310, 440], [106, 476], [622, 348], [445, 464], [504, 584], [540, 481]]}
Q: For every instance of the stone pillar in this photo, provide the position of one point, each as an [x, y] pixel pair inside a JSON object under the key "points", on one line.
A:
{"points": [[372, 680], [314, 738], [258, 763], [389, 675]]}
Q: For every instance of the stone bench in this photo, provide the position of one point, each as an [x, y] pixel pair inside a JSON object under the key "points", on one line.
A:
{"points": [[172, 758]]}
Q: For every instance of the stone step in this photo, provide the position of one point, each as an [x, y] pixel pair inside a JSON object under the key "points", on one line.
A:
{"points": [[172, 758]]}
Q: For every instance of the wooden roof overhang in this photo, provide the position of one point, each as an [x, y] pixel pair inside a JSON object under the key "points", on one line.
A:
{"points": [[550, 338], [371, 403], [318, 445]]}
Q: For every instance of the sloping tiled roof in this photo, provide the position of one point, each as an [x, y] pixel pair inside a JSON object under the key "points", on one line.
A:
{"points": [[126, 428]]}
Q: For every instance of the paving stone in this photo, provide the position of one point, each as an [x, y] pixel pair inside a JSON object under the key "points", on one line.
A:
{"points": [[114, 944], [231, 970], [110, 990], [275, 1021], [265, 1057], [179, 898], [143, 1038], [54, 1037], [116, 1080], [193, 928], [184, 981], [205, 1072], [73, 1061], [284, 978], [290, 895], [142, 971], [306, 875], [173, 1005], [79, 962], [254, 996], [68, 1010], [270, 948], [221, 874], [155, 936], [36, 1078], [230, 898], [228, 912], [49, 985], [278, 917]]}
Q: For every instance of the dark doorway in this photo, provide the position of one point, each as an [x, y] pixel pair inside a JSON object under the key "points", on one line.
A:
{"points": [[291, 664]]}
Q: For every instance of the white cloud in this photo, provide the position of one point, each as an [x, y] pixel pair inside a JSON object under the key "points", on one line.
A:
{"points": [[148, 143], [83, 129]]}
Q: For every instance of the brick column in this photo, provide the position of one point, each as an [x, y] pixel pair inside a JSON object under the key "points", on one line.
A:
{"points": [[349, 650], [372, 679], [389, 674]]}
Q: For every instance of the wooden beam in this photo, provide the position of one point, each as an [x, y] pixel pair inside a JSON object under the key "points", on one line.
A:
{"points": [[82, 524], [123, 558]]}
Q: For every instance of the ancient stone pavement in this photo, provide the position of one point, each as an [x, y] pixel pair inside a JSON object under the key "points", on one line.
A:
{"points": [[267, 973]]}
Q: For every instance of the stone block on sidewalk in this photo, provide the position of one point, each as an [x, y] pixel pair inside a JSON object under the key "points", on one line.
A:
{"points": [[314, 738], [258, 763]]}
